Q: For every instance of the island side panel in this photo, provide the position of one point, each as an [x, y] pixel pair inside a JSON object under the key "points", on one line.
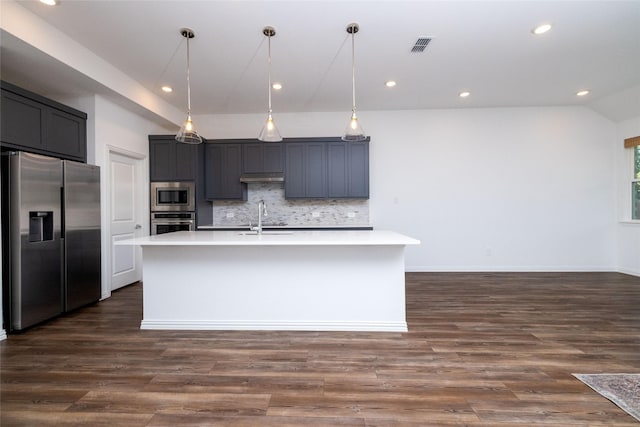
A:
{"points": [[348, 288]]}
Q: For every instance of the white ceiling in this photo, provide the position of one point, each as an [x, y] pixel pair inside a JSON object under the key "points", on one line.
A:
{"points": [[485, 47]]}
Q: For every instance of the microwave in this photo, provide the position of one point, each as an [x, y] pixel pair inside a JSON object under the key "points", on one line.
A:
{"points": [[173, 196]]}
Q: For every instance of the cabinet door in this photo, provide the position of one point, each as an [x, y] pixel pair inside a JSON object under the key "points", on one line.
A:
{"points": [[162, 160], [294, 178], [186, 162], [262, 157], [316, 170], [348, 169], [170, 160], [358, 170], [253, 157], [305, 170], [22, 121], [224, 167], [273, 157], [337, 179], [66, 134]]}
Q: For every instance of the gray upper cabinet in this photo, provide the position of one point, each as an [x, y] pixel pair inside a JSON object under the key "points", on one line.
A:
{"points": [[262, 157], [22, 121], [67, 134], [222, 172], [33, 123], [348, 169], [326, 168], [170, 160], [305, 170]]}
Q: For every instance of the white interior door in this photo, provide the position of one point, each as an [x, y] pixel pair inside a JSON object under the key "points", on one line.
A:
{"points": [[125, 218]]}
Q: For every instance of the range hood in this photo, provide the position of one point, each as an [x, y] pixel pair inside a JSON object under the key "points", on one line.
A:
{"points": [[262, 177]]}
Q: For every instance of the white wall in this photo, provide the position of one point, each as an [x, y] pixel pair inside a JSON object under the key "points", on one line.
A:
{"points": [[116, 128], [505, 189], [628, 232]]}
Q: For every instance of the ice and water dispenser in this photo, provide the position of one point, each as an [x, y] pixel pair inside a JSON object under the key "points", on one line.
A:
{"points": [[40, 226]]}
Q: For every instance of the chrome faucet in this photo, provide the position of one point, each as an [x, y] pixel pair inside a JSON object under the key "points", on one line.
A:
{"points": [[262, 211]]}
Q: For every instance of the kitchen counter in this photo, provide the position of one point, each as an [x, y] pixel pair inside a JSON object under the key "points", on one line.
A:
{"points": [[291, 280], [287, 227], [275, 238]]}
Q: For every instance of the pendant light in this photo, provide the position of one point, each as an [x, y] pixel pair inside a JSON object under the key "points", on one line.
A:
{"points": [[188, 133], [269, 132], [354, 131]]}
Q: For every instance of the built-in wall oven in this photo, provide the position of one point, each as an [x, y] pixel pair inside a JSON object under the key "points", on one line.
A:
{"points": [[173, 196], [173, 207], [168, 222]]}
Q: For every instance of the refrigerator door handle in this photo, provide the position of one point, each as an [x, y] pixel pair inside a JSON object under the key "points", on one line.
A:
{"points": [[63, 228]]}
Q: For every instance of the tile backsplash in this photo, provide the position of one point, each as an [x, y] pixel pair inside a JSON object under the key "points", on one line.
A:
{"points": [[280, 211]]}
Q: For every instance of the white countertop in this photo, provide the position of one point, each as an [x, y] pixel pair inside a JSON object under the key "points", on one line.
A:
{"points": [[275, 238], [285, 227]]}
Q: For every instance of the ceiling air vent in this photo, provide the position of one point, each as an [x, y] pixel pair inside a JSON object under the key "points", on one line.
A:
{"points": [[421, 45]]}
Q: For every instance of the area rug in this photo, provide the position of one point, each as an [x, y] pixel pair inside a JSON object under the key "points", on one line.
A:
{"points": [[621, 389]]}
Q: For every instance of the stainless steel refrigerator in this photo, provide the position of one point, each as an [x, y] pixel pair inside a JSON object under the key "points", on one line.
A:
{"points": [[50, 236]]}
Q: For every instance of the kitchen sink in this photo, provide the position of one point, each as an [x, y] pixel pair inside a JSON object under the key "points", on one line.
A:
{"points": [[265, 233]]}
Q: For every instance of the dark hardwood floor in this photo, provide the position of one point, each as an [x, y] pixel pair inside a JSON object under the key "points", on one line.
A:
{"points": [[482, 350]]}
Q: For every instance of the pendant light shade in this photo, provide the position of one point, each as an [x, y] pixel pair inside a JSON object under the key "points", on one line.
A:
{"points": [[269, 132], [188, 133], [354, 131]]}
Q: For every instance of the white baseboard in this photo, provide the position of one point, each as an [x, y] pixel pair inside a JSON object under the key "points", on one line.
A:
{"points": [[3, 335], [629, 272], [505, 269], [238, 325]]}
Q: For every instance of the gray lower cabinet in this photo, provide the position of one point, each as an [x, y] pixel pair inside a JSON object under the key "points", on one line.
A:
{"points": [[305, 170], [36, 124], [222, 172], [170, 160]]}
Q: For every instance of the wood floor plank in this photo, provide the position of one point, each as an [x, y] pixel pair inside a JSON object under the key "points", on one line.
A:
{"points": [[172, 403], [29, 418], [164, 420], [483, 349], [189, 383]]}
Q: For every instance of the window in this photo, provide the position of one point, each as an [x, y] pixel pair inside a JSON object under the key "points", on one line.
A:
{"points": [[635, 184]]}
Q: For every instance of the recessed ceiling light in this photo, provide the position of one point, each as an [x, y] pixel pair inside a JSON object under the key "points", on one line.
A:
{"points": [[390, 83], [464, 94], [167, 89], [49, 2], [277, 86], [582, 93], [541, 29]]}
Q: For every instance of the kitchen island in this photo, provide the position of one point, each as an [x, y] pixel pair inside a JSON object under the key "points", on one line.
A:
{"points": [[277, 280]]}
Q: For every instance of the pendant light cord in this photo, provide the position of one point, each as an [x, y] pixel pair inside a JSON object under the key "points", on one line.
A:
{"points": [[269, 74], [353, 69], [188, 79]]}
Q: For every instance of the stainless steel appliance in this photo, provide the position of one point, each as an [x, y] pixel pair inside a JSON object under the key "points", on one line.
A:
{"points": [[50, 237], [173, 196], [169, 222], [81, 234]]}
